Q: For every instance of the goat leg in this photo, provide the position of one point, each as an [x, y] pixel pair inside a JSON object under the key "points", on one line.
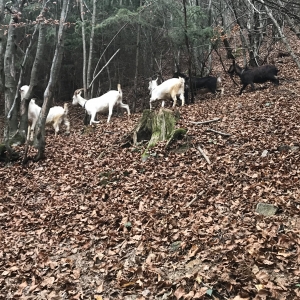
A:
{"points": [[243, 87]]}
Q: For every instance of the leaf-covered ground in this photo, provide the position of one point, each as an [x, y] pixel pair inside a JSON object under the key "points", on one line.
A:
{"points": [[92, 221]]}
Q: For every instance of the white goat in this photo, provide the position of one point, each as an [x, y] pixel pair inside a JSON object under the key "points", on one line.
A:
{"points": [[55, 117], [170, 88], [101, 104]]}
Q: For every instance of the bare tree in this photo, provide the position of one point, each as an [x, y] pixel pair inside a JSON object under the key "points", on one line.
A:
{"points": [[282, 36], [187, 43], [10, 81], [254, 18], [84, 74], [39, 141], [40, 27], [137, 54], [1, 46], [89, 69]]}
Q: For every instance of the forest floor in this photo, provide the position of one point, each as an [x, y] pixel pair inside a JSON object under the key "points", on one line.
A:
{"points": [[94, 221]]}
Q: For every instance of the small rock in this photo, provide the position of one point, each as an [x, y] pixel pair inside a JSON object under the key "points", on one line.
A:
{"points": [[266, 209], [283, 148], [175, 246], [265, 153]]}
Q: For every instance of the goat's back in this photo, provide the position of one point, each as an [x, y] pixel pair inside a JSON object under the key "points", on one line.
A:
{"points": [[168, 84], [260, 74], [102, 103], [204, 81], [33, 110], [55, 112]]}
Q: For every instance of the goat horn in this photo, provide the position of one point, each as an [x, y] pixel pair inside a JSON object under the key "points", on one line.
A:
{"points": [[79, 90]]}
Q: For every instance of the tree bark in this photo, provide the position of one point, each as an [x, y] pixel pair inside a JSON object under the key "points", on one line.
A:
{"points": [[84, 73], [10, 82], [186, 38], [1, 47], [89, 69], [39, 140], [34, 76], [137, 54]]}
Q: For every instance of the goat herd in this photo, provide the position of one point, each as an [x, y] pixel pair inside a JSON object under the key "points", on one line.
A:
{"points": [[178, 86]]}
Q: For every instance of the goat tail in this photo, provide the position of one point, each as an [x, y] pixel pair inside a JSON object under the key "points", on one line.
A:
{"points": [[66, 109], [119, 88], [66, 118], [120, 91]]}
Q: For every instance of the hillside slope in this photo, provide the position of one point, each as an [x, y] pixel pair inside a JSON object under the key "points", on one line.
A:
{"points": [[92, 221]]}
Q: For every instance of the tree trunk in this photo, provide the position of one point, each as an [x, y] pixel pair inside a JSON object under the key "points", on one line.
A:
{"points": [[89, 70], [186, 38], [39, 141], [1, 48], [209, 11], [33, 78], [10, 110], [10, 83], [137, 54], [84, 73], [157, 126]]}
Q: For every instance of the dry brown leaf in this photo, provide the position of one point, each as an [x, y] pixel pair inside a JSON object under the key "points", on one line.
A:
{"points": [[179, 292]]}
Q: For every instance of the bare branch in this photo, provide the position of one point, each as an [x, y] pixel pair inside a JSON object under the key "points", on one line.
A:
{"points": [[204, 155], [206, 122], [103, 68], [218, 132]]}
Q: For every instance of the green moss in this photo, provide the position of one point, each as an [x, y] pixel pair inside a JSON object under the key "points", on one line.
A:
{"points": [[157, 126], [175, 135], [163, 124], [143, 130]]}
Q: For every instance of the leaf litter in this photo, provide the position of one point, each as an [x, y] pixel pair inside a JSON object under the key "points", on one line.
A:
{"points": [[92, 221]]}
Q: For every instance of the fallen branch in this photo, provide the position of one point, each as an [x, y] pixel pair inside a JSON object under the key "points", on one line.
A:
{"points": [[206, 122], [204, 155], [195, 198], [218, 132], [292, 91]]}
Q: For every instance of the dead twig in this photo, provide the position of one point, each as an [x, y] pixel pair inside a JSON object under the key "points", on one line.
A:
{"points": [[195, 198], [206, 122], [218, 132], [292, 91], [204, 155]]}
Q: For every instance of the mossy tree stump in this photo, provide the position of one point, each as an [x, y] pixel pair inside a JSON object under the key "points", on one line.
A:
{"points": [[7, 153], [157, 126]]}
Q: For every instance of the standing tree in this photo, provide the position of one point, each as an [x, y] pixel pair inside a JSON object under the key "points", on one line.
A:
{"points": [[137, 55], [11, 117], [84, 51], [1, 46], [90, 60], [39, 141], [41, 28]]}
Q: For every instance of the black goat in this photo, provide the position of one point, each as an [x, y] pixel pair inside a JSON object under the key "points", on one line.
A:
{"points": [[257, 75], [203, 84]]}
